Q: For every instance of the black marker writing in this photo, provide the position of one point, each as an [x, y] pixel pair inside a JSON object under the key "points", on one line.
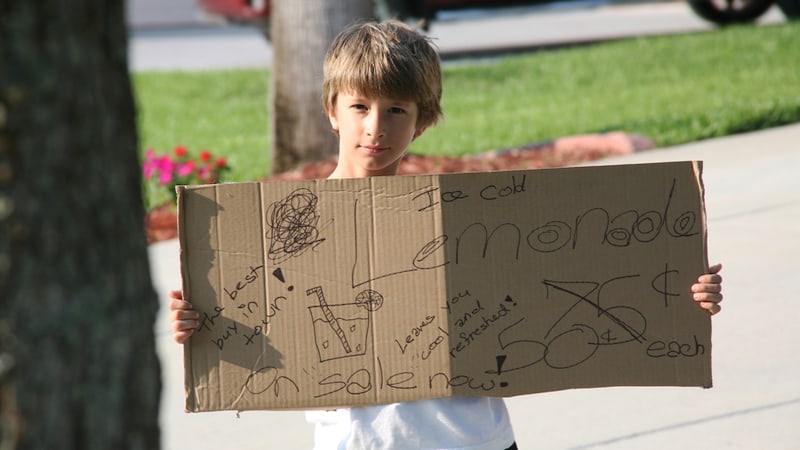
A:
{"points": [[333, 322], [293, 225]]}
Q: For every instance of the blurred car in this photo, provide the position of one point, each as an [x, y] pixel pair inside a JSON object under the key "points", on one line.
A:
{"points": [[237, 10], [721, 12], [257, 10]]}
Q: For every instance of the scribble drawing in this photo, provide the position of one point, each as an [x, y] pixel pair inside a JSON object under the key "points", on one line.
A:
{"points": [[369, 299], [341, 330], [333, 322], [292, 225]]}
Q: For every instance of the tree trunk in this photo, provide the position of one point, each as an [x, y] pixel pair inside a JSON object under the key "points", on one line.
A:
{"points": [[78, 367], [301, 32]]}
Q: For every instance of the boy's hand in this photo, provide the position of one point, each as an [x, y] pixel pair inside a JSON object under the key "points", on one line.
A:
{"points": [[182, 317], [707, 292]]}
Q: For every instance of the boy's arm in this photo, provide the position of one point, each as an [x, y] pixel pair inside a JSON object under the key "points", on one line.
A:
{"points": [[707, 292], [183, 319]]}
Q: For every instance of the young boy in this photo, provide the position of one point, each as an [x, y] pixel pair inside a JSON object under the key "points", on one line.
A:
{"points": [[382, 89]]}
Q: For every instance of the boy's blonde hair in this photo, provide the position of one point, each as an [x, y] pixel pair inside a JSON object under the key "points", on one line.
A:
{"points": [[388, 60]]}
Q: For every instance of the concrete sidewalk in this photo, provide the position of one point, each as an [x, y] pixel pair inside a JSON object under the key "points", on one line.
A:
{"points": [[753, 205]]}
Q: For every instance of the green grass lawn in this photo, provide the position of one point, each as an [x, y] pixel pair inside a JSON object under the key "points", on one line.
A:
{"points": [[673, 89]]}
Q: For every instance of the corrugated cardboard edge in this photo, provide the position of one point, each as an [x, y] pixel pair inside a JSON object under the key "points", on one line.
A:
{"points": [[701, 188], [188, 379], [697, 171]]}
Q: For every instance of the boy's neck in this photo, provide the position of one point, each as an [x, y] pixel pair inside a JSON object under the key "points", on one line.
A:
{"points": [[345, 171]]}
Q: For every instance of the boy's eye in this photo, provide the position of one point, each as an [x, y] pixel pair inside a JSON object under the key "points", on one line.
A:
{"points": [[397, 110], [359, 107]]}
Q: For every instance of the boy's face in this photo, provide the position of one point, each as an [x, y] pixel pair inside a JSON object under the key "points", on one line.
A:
{"points": [[374, 133]]}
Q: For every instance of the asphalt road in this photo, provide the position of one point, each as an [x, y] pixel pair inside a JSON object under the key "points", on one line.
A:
{"points": [[179, 38]]}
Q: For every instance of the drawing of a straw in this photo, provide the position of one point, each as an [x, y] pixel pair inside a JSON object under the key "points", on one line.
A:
{"points": [[332, 320]]}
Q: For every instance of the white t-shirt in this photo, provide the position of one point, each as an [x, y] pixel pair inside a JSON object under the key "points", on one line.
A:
{"points": [[463, 423]]}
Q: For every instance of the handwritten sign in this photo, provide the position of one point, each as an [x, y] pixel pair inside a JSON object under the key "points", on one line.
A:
{"points": [[332, 293]]}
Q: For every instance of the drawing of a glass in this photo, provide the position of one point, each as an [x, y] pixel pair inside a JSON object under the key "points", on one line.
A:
{"points": [[340, 331]]}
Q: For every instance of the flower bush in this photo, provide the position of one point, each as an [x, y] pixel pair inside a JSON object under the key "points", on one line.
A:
{"points": [[162, 173]]}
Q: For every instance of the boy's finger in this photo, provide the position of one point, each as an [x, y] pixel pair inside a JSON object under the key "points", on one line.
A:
{"points": [[180, 326], [707, 297], [185, 314], [179, 316], [707, 287], [710, 278], [182, 336], [715, 268], [176, 305], [711, 307]]}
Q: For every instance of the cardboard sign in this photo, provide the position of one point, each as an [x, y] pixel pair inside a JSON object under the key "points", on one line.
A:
{"points": [[333, 293]]}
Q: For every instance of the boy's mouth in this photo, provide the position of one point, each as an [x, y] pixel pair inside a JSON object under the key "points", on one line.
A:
{"points": [[374, 148]]}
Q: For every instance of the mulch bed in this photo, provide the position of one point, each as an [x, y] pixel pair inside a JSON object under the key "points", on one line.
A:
{"points": [[161, 223]]}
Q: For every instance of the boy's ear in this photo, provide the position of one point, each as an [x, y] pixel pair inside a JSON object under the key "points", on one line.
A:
{"points": [[419, 132], [334, 122]]}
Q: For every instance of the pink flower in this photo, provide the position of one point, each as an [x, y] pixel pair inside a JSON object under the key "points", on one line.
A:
{"points": [[165, 178], [148, 167], [164, 166], [203, 172], [179, 167], [186, 168]]}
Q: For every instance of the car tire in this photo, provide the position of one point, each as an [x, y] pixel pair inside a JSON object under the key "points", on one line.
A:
{"points": [[790, 8], [728, 12]]}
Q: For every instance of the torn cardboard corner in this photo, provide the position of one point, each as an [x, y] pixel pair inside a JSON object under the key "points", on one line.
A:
{"points": [[335, 293]]}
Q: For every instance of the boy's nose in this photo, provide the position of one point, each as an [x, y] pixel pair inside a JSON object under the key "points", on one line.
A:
{"points": [[375, 126]]}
